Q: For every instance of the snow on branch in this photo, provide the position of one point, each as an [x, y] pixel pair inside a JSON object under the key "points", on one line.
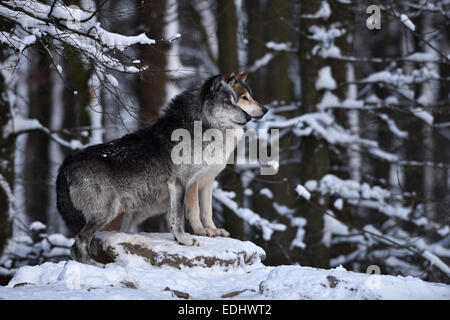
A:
{"points": [[408, 23], [9, 195], [324, 12], [74, 27], [399, 79], [324, 126], [18, 125], [252, 218], [261, 62], [296, 222], [349, 189], [360, 194]]}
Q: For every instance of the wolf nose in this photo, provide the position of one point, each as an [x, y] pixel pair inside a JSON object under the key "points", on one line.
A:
{"points": [[247, 117], [265, 110]]}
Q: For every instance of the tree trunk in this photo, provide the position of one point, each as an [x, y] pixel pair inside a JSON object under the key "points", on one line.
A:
{"points": [[7, 160], [36, 175], [256, 48], [153, 86], [314, 151], [227, 25], [278, 86]]}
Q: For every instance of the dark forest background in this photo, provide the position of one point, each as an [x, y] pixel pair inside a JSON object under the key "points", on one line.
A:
{"points": [[363, 116]]}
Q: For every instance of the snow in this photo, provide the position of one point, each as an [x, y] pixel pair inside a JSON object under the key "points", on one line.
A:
{"points": [[408, 23], [324, 12], [437, 262], [266, 192], [174, 37], [300, 223], [89, 38], [338, 204], [331, 227], [292, 282], [301, 190], [163, 245], [444, 231], [17, 43], [267, 227], [279, 46], [295, 221], [18, 124], [325, 80], [397, 77], [71, 280], [261, 62], [37, 226], [283, 210], [422, 57], [329, 100], [424, 115], [112, 80], [359, 194], [9, 195], [59, 240], [393, 127]]}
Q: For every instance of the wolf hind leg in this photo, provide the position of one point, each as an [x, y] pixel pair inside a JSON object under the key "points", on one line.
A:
{"points": [[106, 216], [176, 214], [80, 250]]}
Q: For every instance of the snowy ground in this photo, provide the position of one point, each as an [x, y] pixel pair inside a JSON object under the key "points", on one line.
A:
{"points": [[72, 280]]}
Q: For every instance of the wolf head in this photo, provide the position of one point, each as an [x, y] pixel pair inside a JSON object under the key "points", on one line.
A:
{"points": [[244, 95], [220, 109]]}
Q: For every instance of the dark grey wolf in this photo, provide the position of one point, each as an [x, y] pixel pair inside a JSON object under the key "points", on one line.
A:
{"points": [[198, 198], [113, 185]]}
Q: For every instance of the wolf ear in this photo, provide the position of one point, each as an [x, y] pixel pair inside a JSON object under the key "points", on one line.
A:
{"points": [[229, 75], [230, 78], [242, 76], [217, 83]]}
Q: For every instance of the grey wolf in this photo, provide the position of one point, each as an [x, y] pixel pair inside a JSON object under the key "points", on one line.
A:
{"points": [[114, 185], [198, 198]]}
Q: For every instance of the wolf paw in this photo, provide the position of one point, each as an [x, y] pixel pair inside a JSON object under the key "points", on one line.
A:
{"points": [[186, 240], [94, 263], [217, 232], [205, 232], [222, 233]]}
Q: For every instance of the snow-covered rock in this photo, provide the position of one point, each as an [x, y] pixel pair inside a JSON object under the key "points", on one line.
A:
{"points": [[293, 282], [160, 249], [73, 280], [155, 266]]}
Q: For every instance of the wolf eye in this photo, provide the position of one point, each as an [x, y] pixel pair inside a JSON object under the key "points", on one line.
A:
{"points": [[245, 98]]}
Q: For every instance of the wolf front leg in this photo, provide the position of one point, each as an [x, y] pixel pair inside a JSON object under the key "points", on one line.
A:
{"points": [[192, 211], [176, 198], [206, 211]]}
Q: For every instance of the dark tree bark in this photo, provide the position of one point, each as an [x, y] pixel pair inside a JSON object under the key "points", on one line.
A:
{"points": [[7, 157], [226, 33], [278, 86], [227, 24], [36, 175], [152, 88], [314, 151], [256, 48]]}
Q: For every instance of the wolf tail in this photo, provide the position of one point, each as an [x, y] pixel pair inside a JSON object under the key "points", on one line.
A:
{"points": [[73, 218]]}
